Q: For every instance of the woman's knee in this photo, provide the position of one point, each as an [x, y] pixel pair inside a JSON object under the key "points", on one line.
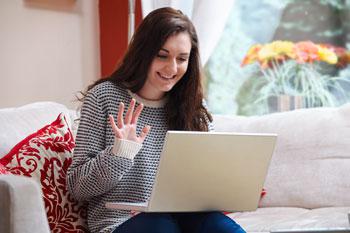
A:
{"points": [[220, 223]]}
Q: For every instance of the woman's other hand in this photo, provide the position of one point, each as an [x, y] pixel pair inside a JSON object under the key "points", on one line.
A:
{"points": [[126, 128], [134, 213]]}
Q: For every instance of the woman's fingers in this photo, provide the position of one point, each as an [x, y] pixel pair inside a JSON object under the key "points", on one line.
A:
{"points": [[144, 132], [130, 111], [126, 127], [134, 212], [114, 127], [137, 113], [120, 115]]}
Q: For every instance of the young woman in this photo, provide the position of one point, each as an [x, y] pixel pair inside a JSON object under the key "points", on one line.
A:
{"points": [[124, 119]]}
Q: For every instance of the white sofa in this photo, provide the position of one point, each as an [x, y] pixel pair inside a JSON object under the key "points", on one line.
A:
{"points": [[307, 187]]}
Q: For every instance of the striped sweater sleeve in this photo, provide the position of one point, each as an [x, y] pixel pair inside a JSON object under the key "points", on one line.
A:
{"points": [[96, 167]]}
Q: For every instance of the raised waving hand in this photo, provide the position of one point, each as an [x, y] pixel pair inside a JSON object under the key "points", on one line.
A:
{"points": [[126, 128]]}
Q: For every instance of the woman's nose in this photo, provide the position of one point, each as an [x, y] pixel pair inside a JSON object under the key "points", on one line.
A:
{"points": [[172, 66]]}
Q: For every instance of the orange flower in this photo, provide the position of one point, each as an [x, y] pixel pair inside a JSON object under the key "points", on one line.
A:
{"points": [[306, 51], [252, 55]]}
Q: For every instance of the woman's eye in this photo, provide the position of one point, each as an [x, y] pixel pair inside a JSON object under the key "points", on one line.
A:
{"points": [[161, 56], [182, 59]]}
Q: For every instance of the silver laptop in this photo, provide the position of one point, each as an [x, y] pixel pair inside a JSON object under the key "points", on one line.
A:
{"points": [[207, 171]]}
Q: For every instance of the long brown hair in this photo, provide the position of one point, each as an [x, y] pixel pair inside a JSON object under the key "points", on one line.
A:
{"points": [[185, 110]]}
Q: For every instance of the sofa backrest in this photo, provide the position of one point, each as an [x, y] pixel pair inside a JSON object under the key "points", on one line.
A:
{"points": [[18, 123], [310, 166]]}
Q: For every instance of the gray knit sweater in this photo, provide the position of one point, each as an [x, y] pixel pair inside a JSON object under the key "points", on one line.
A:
{"points": [[106, 169]]}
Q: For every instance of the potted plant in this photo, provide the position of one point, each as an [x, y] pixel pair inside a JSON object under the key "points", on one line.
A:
{"points": [[296, 74]]}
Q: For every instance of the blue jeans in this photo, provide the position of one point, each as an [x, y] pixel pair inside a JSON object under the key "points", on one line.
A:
{"points": [[206, 222]]}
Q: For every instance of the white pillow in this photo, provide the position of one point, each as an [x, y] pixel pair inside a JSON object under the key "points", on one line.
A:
{"points": [[311, 164], [18, 123]]}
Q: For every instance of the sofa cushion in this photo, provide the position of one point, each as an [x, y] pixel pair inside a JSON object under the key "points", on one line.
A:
{"points": [[310, 164], [18, 123], [45, 156], [292, 218], [263, 219]]}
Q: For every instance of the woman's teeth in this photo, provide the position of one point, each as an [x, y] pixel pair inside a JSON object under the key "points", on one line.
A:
{"points": [[167, 78]]}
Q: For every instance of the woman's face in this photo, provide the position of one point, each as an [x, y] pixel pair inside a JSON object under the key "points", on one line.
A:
{"points": [[168, 67]]}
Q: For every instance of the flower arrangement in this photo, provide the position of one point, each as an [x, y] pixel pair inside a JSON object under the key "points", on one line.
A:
{"points": [[279, 51], [298, 69]]}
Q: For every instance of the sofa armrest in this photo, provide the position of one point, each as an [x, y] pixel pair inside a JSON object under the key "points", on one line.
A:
{"points": [[21, 206]]}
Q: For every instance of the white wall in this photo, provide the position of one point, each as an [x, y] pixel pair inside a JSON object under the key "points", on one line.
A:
{"points": [[49, 50]]}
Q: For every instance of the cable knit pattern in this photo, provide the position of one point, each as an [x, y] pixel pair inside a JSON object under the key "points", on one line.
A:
{"points": [[109, 170]]}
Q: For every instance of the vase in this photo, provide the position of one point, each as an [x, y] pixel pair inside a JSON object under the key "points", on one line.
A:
{"points": [[283, 103]]}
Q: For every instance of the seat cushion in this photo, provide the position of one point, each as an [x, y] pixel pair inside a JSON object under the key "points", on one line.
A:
{"points": [[290, 218]]}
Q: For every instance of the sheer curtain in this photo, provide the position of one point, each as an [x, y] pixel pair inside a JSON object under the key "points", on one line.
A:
{"points": [[184, 5], [209, 18]]}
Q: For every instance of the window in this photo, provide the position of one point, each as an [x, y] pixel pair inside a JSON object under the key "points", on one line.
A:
{"points": [[233, 89]]}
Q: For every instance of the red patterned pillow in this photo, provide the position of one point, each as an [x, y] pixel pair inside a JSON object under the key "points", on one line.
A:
{"points": [[45, 156], [3, 169]]}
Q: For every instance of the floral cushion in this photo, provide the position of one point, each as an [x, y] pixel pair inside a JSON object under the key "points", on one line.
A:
{"points": [[3, 169], [45, 156]]}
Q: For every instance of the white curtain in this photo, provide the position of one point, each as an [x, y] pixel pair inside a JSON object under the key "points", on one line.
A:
{"points": [[208, 16], [184, 5]]}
